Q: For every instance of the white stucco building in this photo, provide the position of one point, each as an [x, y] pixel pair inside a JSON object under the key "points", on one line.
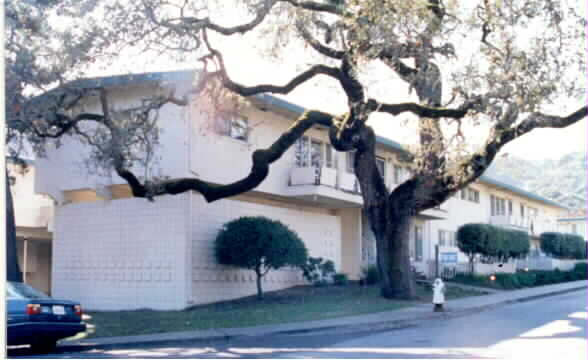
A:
{"points": [[112, 251]]}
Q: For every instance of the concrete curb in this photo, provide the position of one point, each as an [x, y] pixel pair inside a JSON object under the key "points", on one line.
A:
{"points": [[406, 317]]}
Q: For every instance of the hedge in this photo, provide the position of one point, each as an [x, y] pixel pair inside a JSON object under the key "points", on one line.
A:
{"points": [[492, 241], [563, 246], [523, 279]]}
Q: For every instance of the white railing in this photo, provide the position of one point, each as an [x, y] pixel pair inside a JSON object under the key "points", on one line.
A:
{"points": [[313, 176], [323, 176]]}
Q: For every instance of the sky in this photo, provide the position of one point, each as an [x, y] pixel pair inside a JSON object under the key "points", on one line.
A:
{"points": [[245, 65]]}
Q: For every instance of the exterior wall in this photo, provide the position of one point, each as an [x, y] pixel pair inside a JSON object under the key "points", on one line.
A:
{"points": [[351, 243], [568, 226], [30, 210], [64, 168], [122, 254], [464, 211], [210, 282]]}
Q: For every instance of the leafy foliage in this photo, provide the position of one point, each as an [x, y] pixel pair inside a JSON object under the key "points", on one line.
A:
{"points": [[563, 246], [259, 244], [340, 279], [318, 271], [522, 279], [492, 241]]}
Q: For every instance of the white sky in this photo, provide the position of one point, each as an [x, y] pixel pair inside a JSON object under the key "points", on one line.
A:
{"points": [[245, 65]]}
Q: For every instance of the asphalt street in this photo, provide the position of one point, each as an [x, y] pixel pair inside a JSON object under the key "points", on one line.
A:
{"points": [[547, 328]]}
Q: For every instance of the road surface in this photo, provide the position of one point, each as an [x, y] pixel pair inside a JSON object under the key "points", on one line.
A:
{"points": [[548, 328]]}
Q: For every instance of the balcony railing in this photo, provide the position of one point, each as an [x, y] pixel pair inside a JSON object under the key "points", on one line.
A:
{"points": [[324, 176]]}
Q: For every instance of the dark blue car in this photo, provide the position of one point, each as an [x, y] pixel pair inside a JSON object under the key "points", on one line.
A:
{"points": [[36, 319]]}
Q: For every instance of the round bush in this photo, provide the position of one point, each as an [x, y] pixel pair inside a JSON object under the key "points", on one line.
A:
{"points": [[259, 244]]}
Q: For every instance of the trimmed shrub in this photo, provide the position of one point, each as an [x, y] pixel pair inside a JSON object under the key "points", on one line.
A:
{"points": [[318, 271], [259, 244], [563, 246], [492, 242], [340, 279], [370, 275], [581, 271]]}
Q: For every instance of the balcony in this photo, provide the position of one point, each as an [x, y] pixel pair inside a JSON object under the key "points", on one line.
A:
{"points": [[323, 185], [336, 188]]}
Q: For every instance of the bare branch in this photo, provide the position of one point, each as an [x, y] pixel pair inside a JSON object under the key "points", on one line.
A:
{"points": [[317, 45], [316, 6], [259, 169], [475, 166], [424, 111], [253, 90]]}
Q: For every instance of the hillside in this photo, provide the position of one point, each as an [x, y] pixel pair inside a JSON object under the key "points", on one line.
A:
{"points": [[563, 180]]}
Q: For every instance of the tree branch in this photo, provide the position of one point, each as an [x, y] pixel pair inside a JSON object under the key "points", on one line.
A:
{"points": [[316, 6], [475, 166], [253, 90], [317, 45], [424, 111], [259, 169]]}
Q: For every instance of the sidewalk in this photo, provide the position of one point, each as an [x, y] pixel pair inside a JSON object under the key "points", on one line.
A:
{"points": [[394, 318]]}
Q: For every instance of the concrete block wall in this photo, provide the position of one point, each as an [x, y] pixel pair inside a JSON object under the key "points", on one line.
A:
{"points": [[211, 282], [122, 254]]}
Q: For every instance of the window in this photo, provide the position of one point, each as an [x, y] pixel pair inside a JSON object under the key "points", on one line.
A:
{"points": [[315, 153], [381, 165], [350, 156], [302, 154], [464, 194], [442, 237], [497, 205], [397, 174], [238, 127], [522, 210], [510, 207], [330, 157], [574, 229], [418, 243], [473, 195]]}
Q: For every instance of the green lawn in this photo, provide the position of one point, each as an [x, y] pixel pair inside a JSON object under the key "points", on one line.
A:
{"points": [[301, 303]]}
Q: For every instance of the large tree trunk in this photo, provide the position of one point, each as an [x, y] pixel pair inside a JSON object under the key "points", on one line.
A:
{"points": [[392, 239], [13, 272]]}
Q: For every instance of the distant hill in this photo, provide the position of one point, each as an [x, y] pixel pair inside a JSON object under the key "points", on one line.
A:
{"points": [[562, 180]]}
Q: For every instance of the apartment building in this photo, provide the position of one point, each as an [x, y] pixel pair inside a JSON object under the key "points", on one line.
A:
{"points": [[113, 251]]}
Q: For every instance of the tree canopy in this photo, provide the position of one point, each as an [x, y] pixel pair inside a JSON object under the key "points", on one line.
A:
{"points": [[463, 63]]}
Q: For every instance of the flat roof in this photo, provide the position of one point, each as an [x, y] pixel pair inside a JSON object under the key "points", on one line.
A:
{"points": [[272, 102]]}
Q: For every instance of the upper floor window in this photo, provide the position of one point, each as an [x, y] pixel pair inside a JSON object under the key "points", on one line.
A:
{"points": [[381, 165], [470, 194], [397, 174], [238, 127], [497, 206], [315, 153], [473, 195], [350, 165]]}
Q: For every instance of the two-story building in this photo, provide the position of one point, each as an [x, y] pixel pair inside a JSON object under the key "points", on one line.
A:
{"points": [[113, 251]]}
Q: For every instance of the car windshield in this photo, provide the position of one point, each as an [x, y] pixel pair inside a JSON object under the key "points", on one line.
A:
{"points": [[21, 290]]}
